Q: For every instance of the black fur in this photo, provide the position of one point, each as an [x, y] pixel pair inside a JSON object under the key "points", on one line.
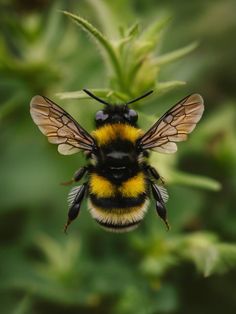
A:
{"points": [[117, 161], [117, 226], [108, 203], [116, 114]]}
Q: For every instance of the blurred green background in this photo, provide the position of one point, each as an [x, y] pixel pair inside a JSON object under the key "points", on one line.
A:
{"points": [[190, 269]]}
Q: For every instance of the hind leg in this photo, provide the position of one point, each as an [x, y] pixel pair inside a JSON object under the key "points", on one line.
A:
{"points": [[160, 203], [75, 199]]}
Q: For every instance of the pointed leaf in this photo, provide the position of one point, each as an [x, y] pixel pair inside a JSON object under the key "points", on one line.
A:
{"points": [[102, 40], [152, 33], [133, 30], [106, 18], [82, 95], [163, 87], [175, 55], [107, 94], [183, 178], [24, 306]]}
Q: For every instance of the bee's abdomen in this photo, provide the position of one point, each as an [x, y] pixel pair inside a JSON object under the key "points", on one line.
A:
{"points": [[112, 216], [118, 208]]}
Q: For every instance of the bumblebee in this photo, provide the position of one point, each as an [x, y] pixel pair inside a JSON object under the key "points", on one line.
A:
{"points": [[119, 180]]}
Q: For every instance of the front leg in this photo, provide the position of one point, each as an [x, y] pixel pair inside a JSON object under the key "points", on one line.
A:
{"points": [[78, 175], [75, 199], [158, 195]]}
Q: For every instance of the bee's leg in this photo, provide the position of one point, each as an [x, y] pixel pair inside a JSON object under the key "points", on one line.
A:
{"points": [[154, 174], [160, 205], [75, 199], [78, 175]]}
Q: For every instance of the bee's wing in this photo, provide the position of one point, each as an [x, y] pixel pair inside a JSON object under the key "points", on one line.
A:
{"points": [[59, 127], [174, 125]]}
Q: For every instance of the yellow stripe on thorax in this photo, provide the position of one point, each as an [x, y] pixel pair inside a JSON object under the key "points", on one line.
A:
{"points": [[102, 187], [110, 132]]}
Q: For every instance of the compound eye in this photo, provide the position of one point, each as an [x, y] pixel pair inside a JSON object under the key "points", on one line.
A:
{"points": [[101, 116], [131, 115]]}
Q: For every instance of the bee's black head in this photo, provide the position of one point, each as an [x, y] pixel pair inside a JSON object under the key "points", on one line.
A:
{"points": [[116, 113]]}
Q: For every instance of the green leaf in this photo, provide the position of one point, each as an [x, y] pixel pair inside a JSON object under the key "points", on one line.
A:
{"points": [[152, 33], [103, 42], [24, 306], [209, 255], [175, 55], [10, 105], [103, 93], [106, 17], [82, 95], [51, 36], [177, 177], [200, 248], [227, 258], [163, 87], [133, 30], [61, 257], [120, 44], [127, 37]]}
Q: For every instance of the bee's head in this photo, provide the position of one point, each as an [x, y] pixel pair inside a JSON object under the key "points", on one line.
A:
{"points": [[116, 113]]}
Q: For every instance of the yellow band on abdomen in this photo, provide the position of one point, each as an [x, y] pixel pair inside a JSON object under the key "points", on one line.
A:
{"points": [[102, 187], [120, 215], [134, 186]]}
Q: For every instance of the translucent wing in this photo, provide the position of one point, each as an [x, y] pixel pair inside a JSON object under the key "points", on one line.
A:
{"points": [[174, 125], [59, 127]]}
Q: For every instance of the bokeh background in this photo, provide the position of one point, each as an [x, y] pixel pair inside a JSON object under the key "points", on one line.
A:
{"points": [[192, 268]]}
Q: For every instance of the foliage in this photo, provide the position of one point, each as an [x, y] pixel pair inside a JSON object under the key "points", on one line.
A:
{"points": [[148, 270]]}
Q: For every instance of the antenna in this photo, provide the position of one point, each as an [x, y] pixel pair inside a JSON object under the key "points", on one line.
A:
{"points": [[107, 104], [95, 97], [140, 97]]}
